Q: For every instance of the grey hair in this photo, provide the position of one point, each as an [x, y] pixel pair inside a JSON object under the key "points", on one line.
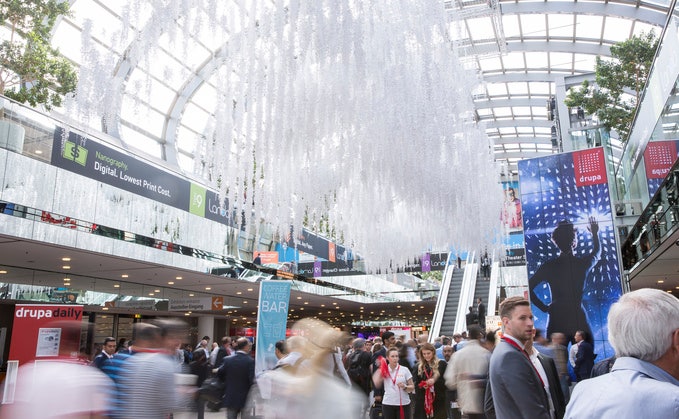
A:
{"points": [[359, 343], [641, 323]]}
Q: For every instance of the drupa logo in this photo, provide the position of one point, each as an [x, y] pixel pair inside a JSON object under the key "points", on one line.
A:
{"points": [[44, 313], [75, 153]]}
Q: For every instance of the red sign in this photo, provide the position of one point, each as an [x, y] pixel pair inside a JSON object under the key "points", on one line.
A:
{"points": [[590, 167], [40, 332], [659, 158], [266, 257]]}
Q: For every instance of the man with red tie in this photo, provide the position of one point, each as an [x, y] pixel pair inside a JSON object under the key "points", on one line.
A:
{"points": [[515, 387]]}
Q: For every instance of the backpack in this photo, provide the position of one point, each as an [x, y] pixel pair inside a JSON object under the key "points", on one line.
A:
{"points": [[358, 372]]}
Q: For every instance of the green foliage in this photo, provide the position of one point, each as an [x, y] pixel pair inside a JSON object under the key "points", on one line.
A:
{"points": [[31, 71], [619, 83]]}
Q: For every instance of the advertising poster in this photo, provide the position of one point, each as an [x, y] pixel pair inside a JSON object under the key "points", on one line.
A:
{"points": [[659, 157], [38, 331], [572, 264], [272, 319], [511, 219]]}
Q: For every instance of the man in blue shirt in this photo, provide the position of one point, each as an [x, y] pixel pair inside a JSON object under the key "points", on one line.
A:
{"points": [[643, 328]]}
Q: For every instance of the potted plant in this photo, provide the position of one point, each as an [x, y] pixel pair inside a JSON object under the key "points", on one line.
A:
{"points": [[31, 70], [619, 83]]}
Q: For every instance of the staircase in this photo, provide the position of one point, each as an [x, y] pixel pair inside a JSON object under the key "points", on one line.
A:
{"points": [[452, 301]]}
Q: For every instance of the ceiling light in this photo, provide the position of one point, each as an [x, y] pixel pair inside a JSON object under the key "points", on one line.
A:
{"points": [[156, 290], [124, 275], [65, 267], [660, 281], [191, 295], [66, 259], [151, 294], [170, 283], [208, 288], [179, 278], [249, 289], [67, 279], [116, 285], [239, 292], [306, 302], [105, 308], [299, 298], [245, 301], [3, 271], [38, 151]]}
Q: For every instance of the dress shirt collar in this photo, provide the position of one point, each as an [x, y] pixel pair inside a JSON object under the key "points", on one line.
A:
{"points": [[515, 340], [657, 373]]}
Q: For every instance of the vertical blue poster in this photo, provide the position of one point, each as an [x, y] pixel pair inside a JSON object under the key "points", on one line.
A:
{"points": [[272, 320], [573, 271]]}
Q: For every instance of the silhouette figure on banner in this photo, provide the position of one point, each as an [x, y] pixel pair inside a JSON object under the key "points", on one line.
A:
{"points": [[565, 275]]}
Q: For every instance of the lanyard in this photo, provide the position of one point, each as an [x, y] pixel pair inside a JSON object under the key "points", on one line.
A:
{"points": [[514, 344], [393, 379]]}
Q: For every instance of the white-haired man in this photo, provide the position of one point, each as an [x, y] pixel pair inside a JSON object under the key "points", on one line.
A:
{"points": [[643, 328]]}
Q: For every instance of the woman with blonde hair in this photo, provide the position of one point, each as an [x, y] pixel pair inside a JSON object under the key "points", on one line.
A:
{"points": [[430, 389]]}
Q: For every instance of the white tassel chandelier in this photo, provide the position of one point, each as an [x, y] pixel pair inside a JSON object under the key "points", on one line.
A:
{"points": [[354, 116]]}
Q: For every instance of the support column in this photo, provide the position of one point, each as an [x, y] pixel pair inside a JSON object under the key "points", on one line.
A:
{"points": [[206, 327]]}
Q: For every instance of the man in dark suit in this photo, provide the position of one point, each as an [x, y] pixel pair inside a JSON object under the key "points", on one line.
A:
{"points": [[515, 385], [481, 310], [546, 367], [584, 358], [238, 372], [471, 317]]}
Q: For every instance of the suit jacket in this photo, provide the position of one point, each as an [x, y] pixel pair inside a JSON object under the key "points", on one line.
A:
{"points": [[238, 373], [481, 308], [554, 385], [584, 360], [516, 389]]}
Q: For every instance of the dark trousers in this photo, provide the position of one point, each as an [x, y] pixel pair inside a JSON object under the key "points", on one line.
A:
{"points": [[394, 412]]}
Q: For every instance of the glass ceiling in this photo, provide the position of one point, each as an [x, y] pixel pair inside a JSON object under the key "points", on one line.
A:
{"points": [[162, 102]]}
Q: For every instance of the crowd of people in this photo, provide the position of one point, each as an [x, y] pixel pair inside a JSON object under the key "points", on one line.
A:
{"points": [[323, 372]]}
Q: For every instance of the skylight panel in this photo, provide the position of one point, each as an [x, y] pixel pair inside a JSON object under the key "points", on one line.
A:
{"points": [[543, 147], [139, 141], [504, 131], [186, 139], [584, 62], [481, 28], [518, 88], [539, 88], [514, 60], [617, 29], [141, 116], [512, 146], [524, 130], [510, 25], [538, 111], [63, 40], [503, 112], [588, 27], [560, 60], [533, 25], [536, 60], [642, 27], [490, 65], [103, 24], [560, 25], [194, 117], [497, 89], [543, 130]]}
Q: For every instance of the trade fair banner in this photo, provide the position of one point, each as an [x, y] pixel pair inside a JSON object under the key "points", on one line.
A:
{"points": [[272, 319], [512, 226], [659, 157], [571, 256], [38, 331]]}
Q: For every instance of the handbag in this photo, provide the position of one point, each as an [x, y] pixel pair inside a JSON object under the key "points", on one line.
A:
{"points": [[212, 390], [376, 411]]}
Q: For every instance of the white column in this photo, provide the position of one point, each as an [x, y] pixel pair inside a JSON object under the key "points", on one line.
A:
{"points": [[206, 327]]}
